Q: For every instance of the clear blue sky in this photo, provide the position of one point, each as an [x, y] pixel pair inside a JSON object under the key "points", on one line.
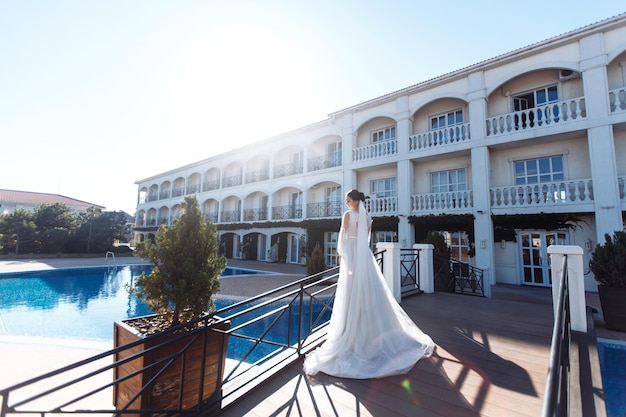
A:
{"points": [[95, 94]]}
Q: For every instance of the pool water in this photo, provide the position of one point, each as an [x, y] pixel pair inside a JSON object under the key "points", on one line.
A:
{"points": [[83, 303], [73, 303], [612, 355]]}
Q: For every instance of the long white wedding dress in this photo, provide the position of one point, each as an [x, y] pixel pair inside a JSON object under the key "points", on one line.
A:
{"points": [[369, 334]]}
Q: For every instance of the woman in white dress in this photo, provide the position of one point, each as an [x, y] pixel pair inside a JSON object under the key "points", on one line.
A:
{"points": [[369, 334]]}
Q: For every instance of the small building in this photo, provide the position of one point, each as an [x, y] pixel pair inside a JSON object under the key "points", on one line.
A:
{"points": [[10, 200]]}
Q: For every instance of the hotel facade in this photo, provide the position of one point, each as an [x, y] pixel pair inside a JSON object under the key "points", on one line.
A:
{"points": [[504, 158]]}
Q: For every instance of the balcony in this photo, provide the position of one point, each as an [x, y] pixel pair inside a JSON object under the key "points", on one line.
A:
{"points": [[210, 185], [439, 137], [231, 216], [177, 192], [232, 181], [617, 100], [193, 188], [549, 195], [210, 217], [164, 195], [323, 162], [288, 169], [375, 150], [443, 203], [382, 206], [153, 197], [256, 176], [250, 215], [317, 210], [286, 212], [566, 111]]}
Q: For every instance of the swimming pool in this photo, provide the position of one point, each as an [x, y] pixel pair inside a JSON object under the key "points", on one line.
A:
{"points": [[74, 303], [612, 355]]}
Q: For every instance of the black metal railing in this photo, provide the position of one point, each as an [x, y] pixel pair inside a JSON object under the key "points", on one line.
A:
{"points": [[409, 271], [457, 277], [263, 334], [556, 395]]}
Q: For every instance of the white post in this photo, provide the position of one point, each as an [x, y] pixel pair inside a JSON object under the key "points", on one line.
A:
{"points": [[578, 314], [426, 271], [391, 267]]}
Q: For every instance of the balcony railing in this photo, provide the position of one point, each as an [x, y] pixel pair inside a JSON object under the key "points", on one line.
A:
{"points": [[375, 150], [164, 195], [563, 112], [440, 137], [210, 217], [316, 210], [231, 216], [193, 188], [382, 205], [323, 162], [153, 197], [258, 175], [544, 194], [177, 192], [617, 99], [448, 202], [286, 212], [210, 185], [232, 181], [288, 169], [254, 214]]}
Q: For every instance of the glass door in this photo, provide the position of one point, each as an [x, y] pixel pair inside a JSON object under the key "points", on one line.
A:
{"points": [[534, 253]]}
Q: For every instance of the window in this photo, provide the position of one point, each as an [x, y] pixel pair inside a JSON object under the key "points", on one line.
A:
{"points": [[459, 245], [334, 151], [536, 98], [384, 134], [383, 188], [535, 171], [330, 248], [445, 181], [445, 120], [545, 171]]}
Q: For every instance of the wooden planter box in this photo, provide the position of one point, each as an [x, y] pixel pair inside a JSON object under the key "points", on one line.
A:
{"points": [[165, 393], [613, 302]]}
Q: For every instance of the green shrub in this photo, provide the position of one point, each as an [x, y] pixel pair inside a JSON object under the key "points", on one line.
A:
{"points": [[608, 261]]}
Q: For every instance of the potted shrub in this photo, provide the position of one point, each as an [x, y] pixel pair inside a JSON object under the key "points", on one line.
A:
{"points": [[608, 264], [180, 289]]}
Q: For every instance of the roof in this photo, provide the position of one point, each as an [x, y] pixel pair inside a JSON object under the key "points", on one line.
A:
{"points": [[35, 199]]}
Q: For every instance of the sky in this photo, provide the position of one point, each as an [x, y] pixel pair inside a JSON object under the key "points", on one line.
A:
{"points": [[96, 95]]}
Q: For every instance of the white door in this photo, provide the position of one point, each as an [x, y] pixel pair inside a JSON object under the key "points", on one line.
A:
{"points": [[534, 253]]}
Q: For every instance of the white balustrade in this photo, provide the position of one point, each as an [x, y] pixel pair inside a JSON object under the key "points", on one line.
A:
{"points": [[563, 112], [382, 205], [375, 150], [448, 202], [439, 137], [617, 100], [544, 194]]}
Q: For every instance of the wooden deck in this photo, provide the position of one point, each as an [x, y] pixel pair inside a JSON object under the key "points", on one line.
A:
{"points": [[491, 360]]}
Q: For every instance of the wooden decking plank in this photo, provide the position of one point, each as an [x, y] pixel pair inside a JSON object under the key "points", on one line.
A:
{"points": [[491, 361]]}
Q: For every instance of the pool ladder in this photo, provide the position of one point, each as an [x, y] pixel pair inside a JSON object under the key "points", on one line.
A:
{"points": [[109, 253]]}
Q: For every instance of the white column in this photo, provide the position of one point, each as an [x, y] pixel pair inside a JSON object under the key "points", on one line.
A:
{"points": [[426, 273], [576, 282], [391, 267]]}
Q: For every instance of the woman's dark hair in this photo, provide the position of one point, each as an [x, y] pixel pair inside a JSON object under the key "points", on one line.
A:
{"points": [[356, 195]]}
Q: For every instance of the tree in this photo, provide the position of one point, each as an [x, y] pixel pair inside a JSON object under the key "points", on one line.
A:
{"points": [[16, 229], [186, 271], [55, 225], [316, 262]]}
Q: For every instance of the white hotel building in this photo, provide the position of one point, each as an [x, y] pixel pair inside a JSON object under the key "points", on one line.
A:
{"points": [[506, 157]]}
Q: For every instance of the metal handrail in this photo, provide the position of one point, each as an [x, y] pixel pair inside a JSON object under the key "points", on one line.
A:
{"points": [[556, 395], [252, 369]]}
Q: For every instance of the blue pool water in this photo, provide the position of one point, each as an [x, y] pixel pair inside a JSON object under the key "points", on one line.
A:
{"points": [[612, 355], [73, 303], [83, 303]]}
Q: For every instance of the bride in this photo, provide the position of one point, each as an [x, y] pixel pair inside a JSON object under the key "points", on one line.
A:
{"points": [[369, 334]]}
